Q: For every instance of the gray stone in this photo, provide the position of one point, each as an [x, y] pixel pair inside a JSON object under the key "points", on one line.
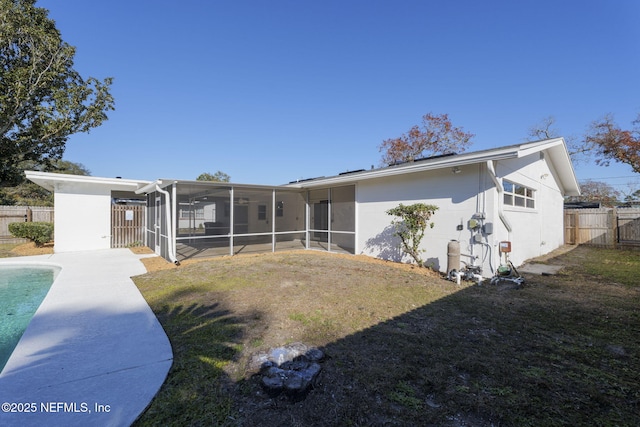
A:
{"points": [[295, 382], [315, 355], [311, 371], [273, 371], [273, 383], [542, 269], [291, 368]]}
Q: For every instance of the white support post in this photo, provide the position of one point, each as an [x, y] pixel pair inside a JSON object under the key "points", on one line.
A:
{"points": [[273, 220], [231, 222], [330, 202], [174, 220], [307, 219]]}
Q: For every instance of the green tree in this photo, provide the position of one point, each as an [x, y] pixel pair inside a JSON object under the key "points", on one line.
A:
{"points": [[43, 100], [633, 197], [436, 136], [596, 191], [69, 168], [28, 193], [216, 177], [410, 224]]}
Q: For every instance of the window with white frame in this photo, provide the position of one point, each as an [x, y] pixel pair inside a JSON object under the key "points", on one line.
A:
{"points": [[518, 195], [192, 213]]}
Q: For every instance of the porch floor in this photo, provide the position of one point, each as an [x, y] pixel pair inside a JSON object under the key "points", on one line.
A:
{"points": [[193, 249]]}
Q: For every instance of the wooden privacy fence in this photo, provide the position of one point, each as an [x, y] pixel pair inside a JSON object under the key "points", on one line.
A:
{"points": [[127, 226], [603, 227], [9, 214]]}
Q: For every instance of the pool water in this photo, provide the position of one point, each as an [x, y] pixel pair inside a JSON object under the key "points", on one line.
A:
{"points": [[22, 290]]}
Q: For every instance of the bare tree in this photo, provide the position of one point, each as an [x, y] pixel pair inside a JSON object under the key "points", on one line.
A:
{"points": [[580, 152], [596, 191]]}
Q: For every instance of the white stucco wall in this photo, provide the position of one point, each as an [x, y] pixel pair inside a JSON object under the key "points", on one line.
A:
{"points": [[459, 197], [536, 231], [83, 217]]}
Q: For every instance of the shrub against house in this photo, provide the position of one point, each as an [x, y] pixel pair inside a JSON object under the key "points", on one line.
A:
{"points": [[38, 232]]}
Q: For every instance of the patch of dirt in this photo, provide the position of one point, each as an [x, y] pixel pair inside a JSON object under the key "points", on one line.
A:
{"points": [[141, 250], [30, 248], [152, 263], [156, 263], [159, 263]]}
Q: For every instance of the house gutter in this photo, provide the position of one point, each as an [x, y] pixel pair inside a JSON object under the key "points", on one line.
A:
{"points": [[498, 183], [149, 187], [170, 241]]}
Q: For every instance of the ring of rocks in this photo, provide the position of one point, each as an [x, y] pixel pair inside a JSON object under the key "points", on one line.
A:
{"points": [[291, 369]]}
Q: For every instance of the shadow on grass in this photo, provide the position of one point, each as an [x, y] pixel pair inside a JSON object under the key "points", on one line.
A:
{"points": [[204, 338], [556, 352]]}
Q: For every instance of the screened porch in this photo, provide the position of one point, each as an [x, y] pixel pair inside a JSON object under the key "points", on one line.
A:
{"points": [[213, 219]]}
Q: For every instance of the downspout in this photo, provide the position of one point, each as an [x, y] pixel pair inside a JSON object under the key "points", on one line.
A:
{"points": [[498, 183], [170, 242]]}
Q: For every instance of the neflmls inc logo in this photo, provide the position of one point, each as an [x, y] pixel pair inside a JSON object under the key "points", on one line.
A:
{"points": [[72, 407]]}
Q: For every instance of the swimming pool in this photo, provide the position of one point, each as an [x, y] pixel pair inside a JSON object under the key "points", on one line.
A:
{"points": [[22, 289]]}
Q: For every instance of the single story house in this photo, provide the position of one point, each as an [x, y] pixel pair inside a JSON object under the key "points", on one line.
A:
{"points": [[513, 193]]}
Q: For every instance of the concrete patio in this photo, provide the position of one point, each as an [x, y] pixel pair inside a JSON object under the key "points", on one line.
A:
{"points": [[93, 354]]}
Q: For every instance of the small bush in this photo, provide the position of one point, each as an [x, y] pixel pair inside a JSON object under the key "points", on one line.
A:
{"points": [[38, 232], [410, 224]]}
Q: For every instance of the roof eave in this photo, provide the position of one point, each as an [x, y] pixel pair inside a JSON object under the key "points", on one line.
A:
{"points": [[422, 166], [48, 180], [556, 147]]}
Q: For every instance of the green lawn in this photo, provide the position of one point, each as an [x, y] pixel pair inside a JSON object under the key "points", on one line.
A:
{"points": [[6, 248], [403, 347]]}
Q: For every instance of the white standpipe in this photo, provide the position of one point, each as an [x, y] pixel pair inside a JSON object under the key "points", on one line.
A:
{"points": [[498, 183], [170, 242]]}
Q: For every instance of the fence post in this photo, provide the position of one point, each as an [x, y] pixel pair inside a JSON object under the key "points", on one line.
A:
{"points": [[29, 216], [614, 227]]}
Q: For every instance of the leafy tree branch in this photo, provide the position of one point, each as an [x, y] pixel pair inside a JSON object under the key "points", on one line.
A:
{"points": [[43, 99], [219, 176], [611, 142], [437, 135]]}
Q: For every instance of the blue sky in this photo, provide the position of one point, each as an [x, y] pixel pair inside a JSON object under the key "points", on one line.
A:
{"points": [[270, 92]]}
